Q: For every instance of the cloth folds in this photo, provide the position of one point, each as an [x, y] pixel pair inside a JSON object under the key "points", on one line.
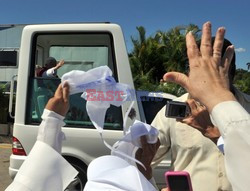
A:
{"points": [[100, 90], [114, 173], [44, 169]]}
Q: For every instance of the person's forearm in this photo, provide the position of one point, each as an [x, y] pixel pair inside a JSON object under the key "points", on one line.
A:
{"points": [[234, 122], [227, 115], [57, 67], [210, 101], [50, 131]]}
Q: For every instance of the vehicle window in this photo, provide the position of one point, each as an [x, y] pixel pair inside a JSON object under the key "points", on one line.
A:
{"points": [[151, 106], [80, 52], [79, 58], [150, 103]]}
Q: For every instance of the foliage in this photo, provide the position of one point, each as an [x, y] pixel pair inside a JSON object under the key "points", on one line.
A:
{"points": [[152, 57], [242, 80]]}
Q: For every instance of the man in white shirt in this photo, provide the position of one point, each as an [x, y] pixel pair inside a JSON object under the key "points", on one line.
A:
{"points": [[50, 68], [208, 83]]}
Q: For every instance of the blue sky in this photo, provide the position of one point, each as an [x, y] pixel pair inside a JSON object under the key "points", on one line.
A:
{"points": [[153, 15]]}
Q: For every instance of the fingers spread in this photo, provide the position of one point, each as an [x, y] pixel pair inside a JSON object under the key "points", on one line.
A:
{"points": [[192, 49], [227, 58], [206, 46], [218, 44]]}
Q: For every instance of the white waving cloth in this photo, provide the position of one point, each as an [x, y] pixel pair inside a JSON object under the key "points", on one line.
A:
{"points": [[113, 173], [100, 90], [139, 129], [130, 143], [100, 80], [43, 170]]}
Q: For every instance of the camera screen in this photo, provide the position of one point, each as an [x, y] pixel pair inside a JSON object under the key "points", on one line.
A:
{"points": [[178, 183], [176, 110]]}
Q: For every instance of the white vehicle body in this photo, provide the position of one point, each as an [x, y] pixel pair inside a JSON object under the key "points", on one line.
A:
{"points": [[82, 46]]}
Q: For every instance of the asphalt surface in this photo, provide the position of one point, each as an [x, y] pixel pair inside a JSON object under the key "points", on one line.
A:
{"points": [[5, 152]]}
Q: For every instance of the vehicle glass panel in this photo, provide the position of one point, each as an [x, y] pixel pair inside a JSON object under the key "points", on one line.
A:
{"points": [[151, 106], [80, 52]]}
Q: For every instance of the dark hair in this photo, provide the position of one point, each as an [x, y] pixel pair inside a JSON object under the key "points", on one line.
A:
{"points": [[50, 61]]}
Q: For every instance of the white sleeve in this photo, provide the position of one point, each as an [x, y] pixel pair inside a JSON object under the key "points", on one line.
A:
{"points": [[50, 72], [44, 169], [233, 122], [50, 130]]}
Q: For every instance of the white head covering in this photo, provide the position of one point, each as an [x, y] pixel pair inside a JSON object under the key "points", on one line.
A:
{"points": [[114, 173]]}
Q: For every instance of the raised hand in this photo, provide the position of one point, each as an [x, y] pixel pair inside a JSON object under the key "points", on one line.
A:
{"points": [[146, 155], [208, 78], [60, 102]]}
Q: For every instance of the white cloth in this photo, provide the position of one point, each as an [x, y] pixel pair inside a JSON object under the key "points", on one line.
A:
{"points": [[46, 170], [99, 89], [126, 147], [139, 129], [113, 173], [43, 170], [234, 125], [50, 131], [244, 100]]}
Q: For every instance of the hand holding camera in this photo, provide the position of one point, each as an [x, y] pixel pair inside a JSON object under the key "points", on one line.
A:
{"points": [[199, 119]]}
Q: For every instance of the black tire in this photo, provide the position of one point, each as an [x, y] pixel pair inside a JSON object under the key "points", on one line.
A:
{"points": [[79, 182]]}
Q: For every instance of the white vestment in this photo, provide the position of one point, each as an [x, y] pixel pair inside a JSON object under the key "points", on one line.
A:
{"points": [[46, 170], [233, 122], [43, 170]]}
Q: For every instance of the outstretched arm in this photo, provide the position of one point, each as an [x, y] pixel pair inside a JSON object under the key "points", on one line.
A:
{"points": [[50, 130], [59, 64], [43, 155]]}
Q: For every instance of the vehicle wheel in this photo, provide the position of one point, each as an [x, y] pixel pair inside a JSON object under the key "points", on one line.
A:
{"points": [[79, 182]]}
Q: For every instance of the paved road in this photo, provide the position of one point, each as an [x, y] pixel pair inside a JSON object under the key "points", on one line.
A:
{"points": [[5, 152]]}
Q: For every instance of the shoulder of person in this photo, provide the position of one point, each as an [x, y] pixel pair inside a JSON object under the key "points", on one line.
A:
{"points": [[41, 71]]}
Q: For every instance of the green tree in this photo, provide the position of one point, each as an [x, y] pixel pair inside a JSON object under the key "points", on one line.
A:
{"points": [[152, 57], [145, 59], [242, 80]]}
